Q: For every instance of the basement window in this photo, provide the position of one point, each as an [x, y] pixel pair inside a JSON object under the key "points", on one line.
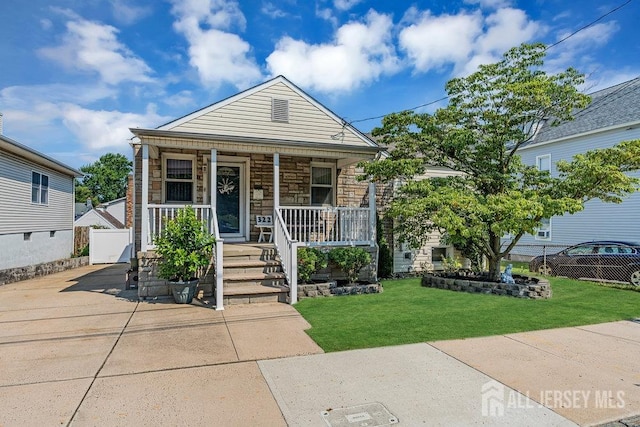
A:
{"points": [[280, 110]]}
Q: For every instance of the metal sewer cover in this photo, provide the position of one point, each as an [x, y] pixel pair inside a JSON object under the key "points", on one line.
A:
{"points": [[368, 415]]}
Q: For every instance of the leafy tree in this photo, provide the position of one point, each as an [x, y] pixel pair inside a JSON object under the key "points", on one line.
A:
{"points": [[490, 114], [83, 193], [106, 178]]}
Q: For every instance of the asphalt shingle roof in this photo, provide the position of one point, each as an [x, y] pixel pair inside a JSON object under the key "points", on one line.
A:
{"points": [[615, 105]]}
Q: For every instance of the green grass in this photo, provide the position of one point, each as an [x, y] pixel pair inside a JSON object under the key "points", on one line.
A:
{"points": [[408, 313]]}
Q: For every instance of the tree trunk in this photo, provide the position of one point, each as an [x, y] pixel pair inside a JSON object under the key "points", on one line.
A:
{"points": [[494, 260], [494, 268]]}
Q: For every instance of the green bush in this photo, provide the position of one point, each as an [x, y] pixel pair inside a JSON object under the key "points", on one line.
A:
{"points": [[310, 261], [185, 246], [350, 260]]}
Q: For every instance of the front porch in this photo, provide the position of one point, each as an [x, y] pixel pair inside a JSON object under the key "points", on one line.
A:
{"points": [[228, 193]]}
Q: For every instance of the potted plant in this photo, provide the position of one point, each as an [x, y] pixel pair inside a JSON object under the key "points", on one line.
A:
{"points": [[185, 248]]}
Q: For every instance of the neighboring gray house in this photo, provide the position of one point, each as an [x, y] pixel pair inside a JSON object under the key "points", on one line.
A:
{"points": [[36, 206], [612, 117]]}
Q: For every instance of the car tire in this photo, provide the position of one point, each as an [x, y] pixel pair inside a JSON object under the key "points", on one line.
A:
{"points": [[545, 270], [634, 279]]}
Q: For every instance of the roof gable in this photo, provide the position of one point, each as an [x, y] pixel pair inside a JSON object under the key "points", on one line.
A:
{"points": [[249, 114]]}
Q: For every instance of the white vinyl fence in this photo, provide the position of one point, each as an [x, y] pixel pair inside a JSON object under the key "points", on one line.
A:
{"points": [[110, 246]]}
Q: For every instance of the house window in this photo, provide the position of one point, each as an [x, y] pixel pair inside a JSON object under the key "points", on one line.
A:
{"points": [[179, 179], [543, 163], [39, 188], [280, 110], [322, 184], [438, 254], [544, 231]]}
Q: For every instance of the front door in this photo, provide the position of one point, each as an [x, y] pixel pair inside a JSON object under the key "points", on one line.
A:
{"points": [[230, 200]]}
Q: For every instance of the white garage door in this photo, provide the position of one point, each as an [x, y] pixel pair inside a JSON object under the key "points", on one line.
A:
{"points": [[110, 246]]}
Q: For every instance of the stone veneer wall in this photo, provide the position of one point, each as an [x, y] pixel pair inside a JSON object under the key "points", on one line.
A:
{"points": [[149, 285], [540, 290], [18, 274]]}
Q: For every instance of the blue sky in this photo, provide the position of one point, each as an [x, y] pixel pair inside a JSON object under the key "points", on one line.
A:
{"points": [[76, 74]]}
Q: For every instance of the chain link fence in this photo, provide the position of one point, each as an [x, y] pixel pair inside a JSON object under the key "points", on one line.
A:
{"points": [[598, 261]]}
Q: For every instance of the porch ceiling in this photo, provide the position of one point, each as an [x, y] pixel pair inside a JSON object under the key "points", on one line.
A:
{"points": [[199, 141]]}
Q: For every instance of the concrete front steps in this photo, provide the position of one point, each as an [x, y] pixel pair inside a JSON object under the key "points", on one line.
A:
{"points": [[252, 274]]}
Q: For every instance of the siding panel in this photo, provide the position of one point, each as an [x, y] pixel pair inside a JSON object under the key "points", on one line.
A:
{"points": [[598, 220], [251, 117], [18, 214]]}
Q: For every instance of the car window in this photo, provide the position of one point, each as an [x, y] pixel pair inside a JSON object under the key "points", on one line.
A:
{"points": [[581, 250], [625, 250], [608, 250]]}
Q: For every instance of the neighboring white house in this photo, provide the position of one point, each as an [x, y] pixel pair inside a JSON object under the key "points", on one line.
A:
{"points": [[430, 255], [612, 117], [116, 208], [105, 215], [36, 206], [99, 218]]}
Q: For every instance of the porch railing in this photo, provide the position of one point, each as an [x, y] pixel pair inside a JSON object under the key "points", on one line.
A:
{"points": [[218, 256], [160, 214], [287, 248], [326, 226]]}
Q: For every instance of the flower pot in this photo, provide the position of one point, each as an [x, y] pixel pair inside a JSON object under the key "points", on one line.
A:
{"points": [[183, 292]]}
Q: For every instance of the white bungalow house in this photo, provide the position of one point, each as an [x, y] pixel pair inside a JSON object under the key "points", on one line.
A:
{"points": [[612, 117], [37, 199], [269, 154]]}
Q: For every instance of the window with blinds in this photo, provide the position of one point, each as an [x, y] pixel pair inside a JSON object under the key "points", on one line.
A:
{"points": [[178, 180]]}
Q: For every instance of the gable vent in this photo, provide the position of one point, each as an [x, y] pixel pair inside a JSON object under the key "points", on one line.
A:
{"points": [[280, 110]]}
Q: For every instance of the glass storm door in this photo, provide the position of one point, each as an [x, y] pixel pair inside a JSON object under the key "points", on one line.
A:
{"points": [[230, 206]]}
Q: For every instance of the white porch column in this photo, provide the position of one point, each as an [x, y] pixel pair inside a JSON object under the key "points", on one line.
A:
{"points": [[372, 210], [213, 172], [144, 217], [276, 182]]}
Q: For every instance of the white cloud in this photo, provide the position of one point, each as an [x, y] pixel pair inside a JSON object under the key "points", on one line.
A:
{"points": [[464, 40], [505, 29], [127, 13], [101, 130], [345, 4], [359, 54], [272, 11], [218, 56], [434, 41], [575, 51], [93, 47], [490, 4]]}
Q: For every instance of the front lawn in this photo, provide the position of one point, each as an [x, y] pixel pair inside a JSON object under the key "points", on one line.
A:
{"points": [[408, 313]]}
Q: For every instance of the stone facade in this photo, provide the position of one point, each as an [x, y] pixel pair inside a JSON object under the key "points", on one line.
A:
{"points": [[151, 286], [295, 184], [534, 289], [12, 275]]}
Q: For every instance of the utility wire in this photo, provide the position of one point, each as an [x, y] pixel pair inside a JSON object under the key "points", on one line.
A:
{"points": [[592, 23]]}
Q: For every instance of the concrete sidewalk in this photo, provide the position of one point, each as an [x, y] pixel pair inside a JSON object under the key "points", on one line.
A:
{"points": [[76, 349]]}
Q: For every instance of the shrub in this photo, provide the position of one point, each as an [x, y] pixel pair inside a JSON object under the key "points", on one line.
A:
{"points": [[310, 261], [350, 260], [185, 246]]}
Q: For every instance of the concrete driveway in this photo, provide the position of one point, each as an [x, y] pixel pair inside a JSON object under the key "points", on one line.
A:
{"points": [[76, 349]]}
